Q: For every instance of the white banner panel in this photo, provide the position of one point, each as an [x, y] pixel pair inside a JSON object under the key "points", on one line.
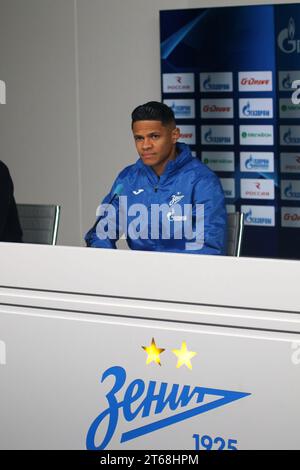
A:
{"points": [[290, 162], [257, 188], [216, 82], [187, 134], [255, 81], [256, 108], [178, 83], [257, 162], [290, 217], [228, 185], [290, 190], [182, 109], [288, 110], [290, 135], [286, 78], [216, 108], [217, 135], [262, 216], [219, 161], [256, 135]]}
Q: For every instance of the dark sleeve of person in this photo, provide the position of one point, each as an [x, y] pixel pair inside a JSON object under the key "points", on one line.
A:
{"points": [[6, 194], [10, 229]]}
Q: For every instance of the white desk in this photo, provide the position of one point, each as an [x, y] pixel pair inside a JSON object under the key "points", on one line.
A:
{"points": [[70, 316]]}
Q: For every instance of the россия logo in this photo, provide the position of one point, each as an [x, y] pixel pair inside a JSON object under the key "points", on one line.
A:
{"points": [[150, 401]]}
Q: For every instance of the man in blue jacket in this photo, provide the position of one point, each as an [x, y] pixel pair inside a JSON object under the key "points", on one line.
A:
{"points": [[166, 201]]}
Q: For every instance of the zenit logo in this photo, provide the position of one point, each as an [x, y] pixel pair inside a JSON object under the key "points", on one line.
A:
{"points": [[142, 400], [286, 39], [2, 92]]}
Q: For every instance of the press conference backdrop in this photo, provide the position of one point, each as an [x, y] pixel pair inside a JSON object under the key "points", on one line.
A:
{"points": [[227, 73]]}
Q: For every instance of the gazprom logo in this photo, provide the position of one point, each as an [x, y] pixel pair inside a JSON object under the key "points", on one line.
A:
{"points": [[259, 215], [216, 82], [290, 135], [217, 135], [286, 82], [183, 109], [208, 85], [2, 92], [286, 39], [257, 163], [256, 108], [248, 216], [214, 139], [286, 79], [290, 192], [160, 405]]}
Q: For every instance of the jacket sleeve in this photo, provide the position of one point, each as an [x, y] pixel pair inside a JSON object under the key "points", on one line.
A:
{"points": [[6, 193], [213, 229], [105, 232]]}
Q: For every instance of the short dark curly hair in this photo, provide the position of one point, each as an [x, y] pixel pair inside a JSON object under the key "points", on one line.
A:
{"points": [[153, 111]]}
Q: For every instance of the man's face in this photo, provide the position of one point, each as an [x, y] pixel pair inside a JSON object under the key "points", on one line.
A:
{"points": [[155, 143]]}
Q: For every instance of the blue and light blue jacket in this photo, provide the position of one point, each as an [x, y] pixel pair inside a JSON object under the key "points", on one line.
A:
{"points": [[185, 180]]}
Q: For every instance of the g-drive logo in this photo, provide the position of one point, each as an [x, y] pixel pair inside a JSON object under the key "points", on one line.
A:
{"points": [[255, 81], [286, 39], [290, 217], [141, 400], [2, 92]]}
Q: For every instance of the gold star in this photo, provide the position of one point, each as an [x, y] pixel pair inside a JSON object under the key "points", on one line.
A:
{"points": [[153, 353], [184, 356]]}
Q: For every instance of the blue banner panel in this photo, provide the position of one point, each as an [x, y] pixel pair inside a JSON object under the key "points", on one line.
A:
{"points": [[227, 73]]}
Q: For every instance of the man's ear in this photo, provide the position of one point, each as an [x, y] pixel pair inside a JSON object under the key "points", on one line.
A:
{"points": [[175, 135]]}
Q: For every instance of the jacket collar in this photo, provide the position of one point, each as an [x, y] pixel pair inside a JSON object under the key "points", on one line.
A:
{"points": [[183, 157]]}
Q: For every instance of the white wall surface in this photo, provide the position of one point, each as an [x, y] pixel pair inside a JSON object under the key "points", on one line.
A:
{"points": [[74, 70]]}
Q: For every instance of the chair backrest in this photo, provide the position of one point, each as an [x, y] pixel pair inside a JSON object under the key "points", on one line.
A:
{"points": [[39, 223], [235, 228]]}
